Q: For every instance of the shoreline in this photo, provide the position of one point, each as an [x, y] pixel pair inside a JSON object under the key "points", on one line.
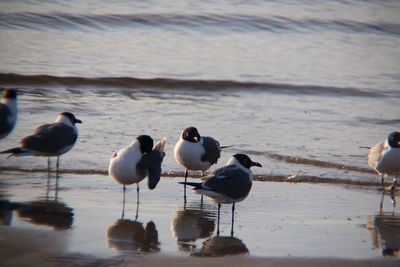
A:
{"points": [[175, 174]]}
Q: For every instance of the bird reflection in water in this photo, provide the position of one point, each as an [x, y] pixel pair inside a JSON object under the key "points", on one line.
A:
{"points": [[218, 246], [130, 236], [385, 230], [6, 211], [47, 211], [194, 221], [6, 208]]}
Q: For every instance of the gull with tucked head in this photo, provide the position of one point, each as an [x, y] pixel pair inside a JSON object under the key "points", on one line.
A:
{"points": [[137, 161]]}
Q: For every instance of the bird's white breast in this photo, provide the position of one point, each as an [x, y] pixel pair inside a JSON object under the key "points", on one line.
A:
{"points": [[12, 105], [189, 155], [123, 166], [390, 162]]}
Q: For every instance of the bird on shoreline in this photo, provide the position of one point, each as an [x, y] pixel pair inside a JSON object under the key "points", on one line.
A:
{"points": [[8, 112], [384, 158], [49, 140], [137, 161], [229, 184], [195, 152]]}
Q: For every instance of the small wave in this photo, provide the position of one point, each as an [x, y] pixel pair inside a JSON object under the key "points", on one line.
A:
{"points": [[235, 22], [379, 121], [10, 79], [174, 174], [311, 162]]}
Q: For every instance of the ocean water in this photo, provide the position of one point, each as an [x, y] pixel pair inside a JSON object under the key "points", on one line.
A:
{"points": [[300, 86], [276, 79]]}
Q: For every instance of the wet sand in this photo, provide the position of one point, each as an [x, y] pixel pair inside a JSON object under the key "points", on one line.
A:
{"points": [[80, 220], [22, 247]]}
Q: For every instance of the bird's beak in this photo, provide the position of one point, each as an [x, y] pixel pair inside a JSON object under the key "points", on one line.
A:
{"points": [[196, 139], [78, 121], [256, 164]]}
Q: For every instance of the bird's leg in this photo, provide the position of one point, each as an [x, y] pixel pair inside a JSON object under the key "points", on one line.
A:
{"points": [[219, 209], [233, 217], [123, 201], [383, 182], [57, 164], [393, 200], [137, 212], [48, 188], [56, 190], [393, 187], [186, 175], [392, 191], [381, 204], [184, 188], [48, 166], [201, 201], [137, 193]]}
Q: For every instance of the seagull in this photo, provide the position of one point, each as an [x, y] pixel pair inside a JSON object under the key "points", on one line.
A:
{"points": [[195, 152], [49, 140], [384, 158], [8, 112], [137, 161], [229, 184]]}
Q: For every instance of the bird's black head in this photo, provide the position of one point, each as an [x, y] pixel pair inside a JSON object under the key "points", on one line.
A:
{"points": [[191, 134], [246, 161], [146, 143], [10, 94], [71, 117], [394, 139]]}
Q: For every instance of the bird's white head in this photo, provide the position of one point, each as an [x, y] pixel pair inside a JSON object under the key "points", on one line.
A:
{"points": [[67, 118], [243, 161]]}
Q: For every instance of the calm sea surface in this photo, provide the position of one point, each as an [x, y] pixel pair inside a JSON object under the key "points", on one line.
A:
{"points": [[300, 86]]}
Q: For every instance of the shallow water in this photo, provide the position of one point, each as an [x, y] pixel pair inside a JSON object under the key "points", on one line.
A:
{"points": [[292, 135], [299, 87], [276, 220]]}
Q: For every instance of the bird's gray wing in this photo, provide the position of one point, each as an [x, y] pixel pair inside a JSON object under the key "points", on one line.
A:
{"points": [[50, 138], [212, 150], [230, 181], [151, 162], [4, 113]]}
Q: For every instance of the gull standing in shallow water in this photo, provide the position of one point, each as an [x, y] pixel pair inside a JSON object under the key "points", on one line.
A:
{"points": [[384, 158], [195, 152], [49, 140], [136, 161], [229, 184], [8, 112]]}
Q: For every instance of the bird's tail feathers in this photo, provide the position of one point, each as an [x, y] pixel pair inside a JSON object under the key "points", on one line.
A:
{"points": [[194, 184], [16, 151], [160, 144]]}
